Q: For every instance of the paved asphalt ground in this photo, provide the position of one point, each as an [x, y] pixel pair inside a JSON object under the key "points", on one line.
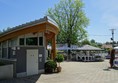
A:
{"points": [[75, 72]]}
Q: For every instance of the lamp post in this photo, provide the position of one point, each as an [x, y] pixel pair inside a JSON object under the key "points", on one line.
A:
{"points": [[112, 31]]}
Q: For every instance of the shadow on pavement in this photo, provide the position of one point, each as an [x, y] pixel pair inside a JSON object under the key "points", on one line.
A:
{"points": [[115, 68], [107, 69], [28, 79]]}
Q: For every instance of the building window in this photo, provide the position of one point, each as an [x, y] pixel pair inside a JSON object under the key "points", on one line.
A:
{"points": [[32, 41], [41, 41], [4, 52], [5, 49], [13, 42], [21, 41], [4, 44]]}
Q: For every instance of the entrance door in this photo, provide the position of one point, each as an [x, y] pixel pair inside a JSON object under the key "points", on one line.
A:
{"points": [[32, 62]]}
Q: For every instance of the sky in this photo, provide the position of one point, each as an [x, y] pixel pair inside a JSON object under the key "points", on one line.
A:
{"points": [[103, 15]]}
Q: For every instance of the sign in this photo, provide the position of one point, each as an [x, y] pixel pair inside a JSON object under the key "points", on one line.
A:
{"points": [[40, 55]]}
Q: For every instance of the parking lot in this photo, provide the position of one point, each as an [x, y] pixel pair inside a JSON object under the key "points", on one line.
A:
{"points": [[75, 72]]}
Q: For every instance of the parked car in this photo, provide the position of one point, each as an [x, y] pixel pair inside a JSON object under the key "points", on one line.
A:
{"points": [[99, 58], [107, 57]]}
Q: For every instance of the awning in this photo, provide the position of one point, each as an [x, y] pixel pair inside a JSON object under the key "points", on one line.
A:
{"points": [[89, 48]]}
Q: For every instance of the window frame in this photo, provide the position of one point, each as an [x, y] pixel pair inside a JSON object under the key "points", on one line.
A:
{"points": [[40, 43], [36, 43], [20, 42]]}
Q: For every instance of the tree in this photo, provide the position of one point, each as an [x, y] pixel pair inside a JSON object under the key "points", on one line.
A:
{"points": [[85, 42], [99, 45], [71, 19], [7, 29], [93, 41]]}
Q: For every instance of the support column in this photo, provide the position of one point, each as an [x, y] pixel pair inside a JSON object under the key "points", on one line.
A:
{"points": [[46, 43], [53, 52]]}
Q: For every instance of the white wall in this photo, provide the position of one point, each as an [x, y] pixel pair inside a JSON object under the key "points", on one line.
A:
{"points": [[6, 71]]}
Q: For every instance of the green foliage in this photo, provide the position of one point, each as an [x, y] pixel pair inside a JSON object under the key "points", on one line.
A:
{"points": [[48, 58], [85, 42], [96, 44], [7, 29], [50, 66], [91, 42], [59, 58], [71, 19]]}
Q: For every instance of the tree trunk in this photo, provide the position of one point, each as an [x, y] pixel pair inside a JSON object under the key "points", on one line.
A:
{"points": [[69, 56]]}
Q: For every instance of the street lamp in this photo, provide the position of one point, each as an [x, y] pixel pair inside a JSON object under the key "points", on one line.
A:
{"points": [[112, 30]]}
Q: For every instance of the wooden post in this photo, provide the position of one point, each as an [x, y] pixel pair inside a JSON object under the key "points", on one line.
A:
{"points": [[54, 47], [46, 43]]}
